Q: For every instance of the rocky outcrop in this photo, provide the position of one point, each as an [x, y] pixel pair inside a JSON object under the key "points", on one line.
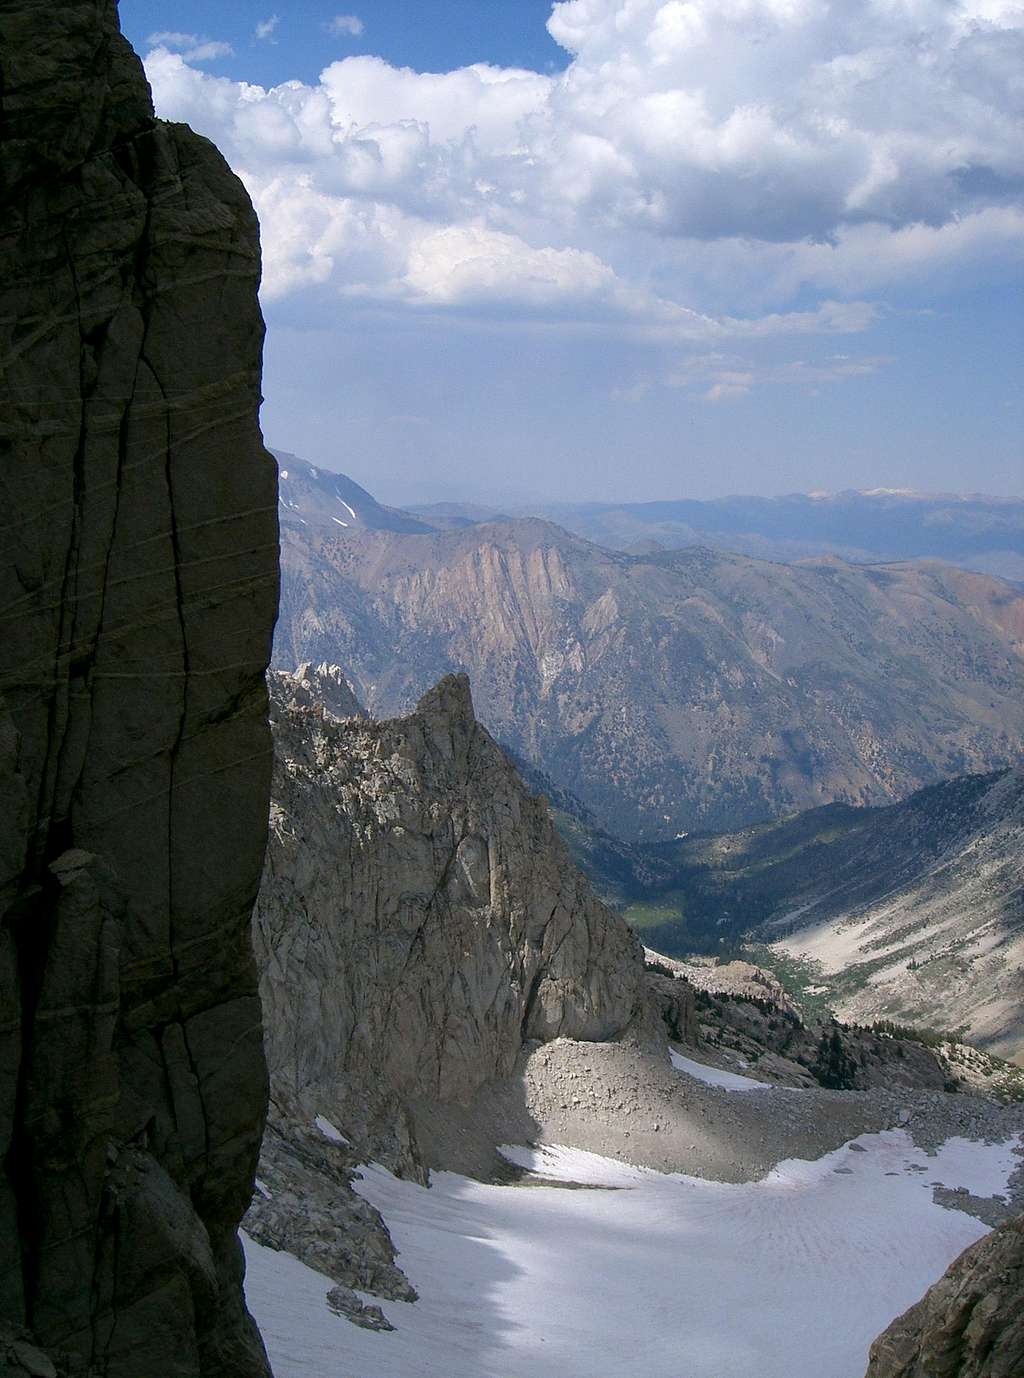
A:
{"points": [[739, 1017], [138, 591], [322, 688], [970, 1324], [419, 919]]}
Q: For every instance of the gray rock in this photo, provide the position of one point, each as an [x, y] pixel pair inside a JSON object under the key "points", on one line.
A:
{"points": [[31, 1360], [344, 1302], [139, 588], [310, 1211], [322, 687], [419, 918]]}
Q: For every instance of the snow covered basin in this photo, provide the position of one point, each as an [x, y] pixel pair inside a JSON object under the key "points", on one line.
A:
{"points": [[635, 1274]]}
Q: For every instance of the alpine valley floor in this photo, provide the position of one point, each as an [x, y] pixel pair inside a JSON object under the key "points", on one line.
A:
{"points": [[589, 1267]]}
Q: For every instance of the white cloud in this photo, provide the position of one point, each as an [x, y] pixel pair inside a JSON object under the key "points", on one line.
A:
{"points": [[191, 46], [168, 39], [750, 152], [266, 29], [345, 24], [729, 378]]}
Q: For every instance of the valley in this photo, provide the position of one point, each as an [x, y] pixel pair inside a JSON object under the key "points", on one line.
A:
{"points": [[643, 1089], [912, 913]]}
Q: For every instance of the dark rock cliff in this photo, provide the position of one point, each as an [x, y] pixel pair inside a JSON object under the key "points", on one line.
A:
{"points": [[138, 590]]}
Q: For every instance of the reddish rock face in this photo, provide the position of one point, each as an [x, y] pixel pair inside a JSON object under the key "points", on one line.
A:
{"points": [[684, 691], [138, 591]]}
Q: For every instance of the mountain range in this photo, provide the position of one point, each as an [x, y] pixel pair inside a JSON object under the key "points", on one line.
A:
{"points": [[673, 691], [285, 985], [974, 531]]}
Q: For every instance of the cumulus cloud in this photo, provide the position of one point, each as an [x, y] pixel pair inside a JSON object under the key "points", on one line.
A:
{"points": [[781, 119], [266, 29], [752, 151], [191, 47], [349, 24]]}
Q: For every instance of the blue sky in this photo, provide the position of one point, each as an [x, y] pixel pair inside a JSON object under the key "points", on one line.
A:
{"points": [[430, 36], [626, 248]]}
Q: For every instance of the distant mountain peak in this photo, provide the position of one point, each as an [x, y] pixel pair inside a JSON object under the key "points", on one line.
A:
{"points": [[313, 497]]}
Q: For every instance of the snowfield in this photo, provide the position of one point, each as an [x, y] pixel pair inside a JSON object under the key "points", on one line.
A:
{"points": [[635, 1274], [715, 1076]]}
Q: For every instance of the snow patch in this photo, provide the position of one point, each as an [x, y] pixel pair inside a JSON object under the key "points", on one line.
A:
{"points": [[560, 1164], [714, 1076], [263, 1189], [339, 521], [284, 473], [329, 1131]]}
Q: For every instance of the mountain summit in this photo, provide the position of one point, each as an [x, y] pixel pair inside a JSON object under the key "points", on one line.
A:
{"points": [[312, 497]]}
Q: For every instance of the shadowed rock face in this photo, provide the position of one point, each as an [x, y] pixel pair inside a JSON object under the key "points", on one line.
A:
{"points": [[138, 592], [970, 1324]]}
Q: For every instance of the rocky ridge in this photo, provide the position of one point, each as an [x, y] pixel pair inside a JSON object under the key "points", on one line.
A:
{"points": [[412, 883], [139, 590], [744, 1021], [312, 497]]}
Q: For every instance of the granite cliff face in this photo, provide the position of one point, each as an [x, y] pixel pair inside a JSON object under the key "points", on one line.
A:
{"points": [[970, 1324], [139, 589], [419, 918]]}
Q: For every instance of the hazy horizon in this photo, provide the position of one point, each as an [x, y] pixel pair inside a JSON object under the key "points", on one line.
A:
{"points": [[481, 494]]}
